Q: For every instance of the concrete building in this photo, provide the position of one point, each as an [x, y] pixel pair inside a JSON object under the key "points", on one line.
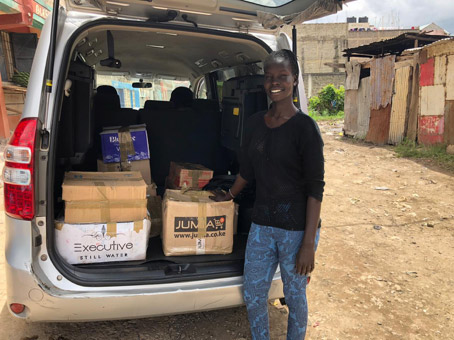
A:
{"points": [[321, 46]]}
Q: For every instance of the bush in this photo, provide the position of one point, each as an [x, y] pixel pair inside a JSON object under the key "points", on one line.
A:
{"points": [[330, 100]]}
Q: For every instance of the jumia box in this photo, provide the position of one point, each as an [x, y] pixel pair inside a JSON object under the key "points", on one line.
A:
{"points": [[193, 224]]}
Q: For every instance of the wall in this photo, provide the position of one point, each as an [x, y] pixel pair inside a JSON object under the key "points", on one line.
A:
{"points": [[315, 82], [318, 45], [436, 119], [321, 46]]}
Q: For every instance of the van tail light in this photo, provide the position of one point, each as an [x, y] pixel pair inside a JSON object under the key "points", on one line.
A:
{"points": [[17, 308], [18, 173]]}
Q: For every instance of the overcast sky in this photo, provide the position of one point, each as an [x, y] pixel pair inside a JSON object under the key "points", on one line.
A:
{"points": [[399, 13]]}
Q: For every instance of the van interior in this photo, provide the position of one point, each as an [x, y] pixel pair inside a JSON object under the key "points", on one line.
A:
{"points": [[126, 75]]}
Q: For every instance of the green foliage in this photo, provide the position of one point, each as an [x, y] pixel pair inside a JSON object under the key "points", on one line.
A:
{"points": [[329, 102], [20, 78], [435, 154], [318, 118]]}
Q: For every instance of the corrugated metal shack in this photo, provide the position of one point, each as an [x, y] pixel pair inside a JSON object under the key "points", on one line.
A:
{"points": [[405, 89]]}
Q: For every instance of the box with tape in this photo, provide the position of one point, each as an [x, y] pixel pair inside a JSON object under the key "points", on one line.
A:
{"points": [[125, 145], [99, 197], [193, 224], [142, 166], [188, 175], [102, 242]]}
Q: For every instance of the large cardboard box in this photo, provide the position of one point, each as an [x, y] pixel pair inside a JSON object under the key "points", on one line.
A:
{"points": [[125, 144], [193, 224], [142, 166], [94, 243], [188, 175], [98, 197]]}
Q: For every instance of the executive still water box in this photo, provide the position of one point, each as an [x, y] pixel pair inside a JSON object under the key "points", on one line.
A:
{"points": [[102, 242]]}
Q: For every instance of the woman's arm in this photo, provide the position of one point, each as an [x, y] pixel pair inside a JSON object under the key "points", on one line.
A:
{"points": [[305, 259], [235, 190]]}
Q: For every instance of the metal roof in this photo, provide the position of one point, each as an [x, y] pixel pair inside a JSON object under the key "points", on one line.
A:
{"points": [[393, 46]]}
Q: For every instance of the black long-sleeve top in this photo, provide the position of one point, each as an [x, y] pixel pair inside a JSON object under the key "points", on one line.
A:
{"points": [[288, 166]]}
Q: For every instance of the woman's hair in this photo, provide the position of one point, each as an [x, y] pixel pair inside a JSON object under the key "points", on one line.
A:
{"points": [[283, 55]]}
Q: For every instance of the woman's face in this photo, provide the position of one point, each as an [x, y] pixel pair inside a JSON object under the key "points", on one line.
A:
{"points": [[279, 80]]}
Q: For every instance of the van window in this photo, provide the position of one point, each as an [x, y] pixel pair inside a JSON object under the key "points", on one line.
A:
{"points": [[238, 71], [135, 98], [201, 92]]}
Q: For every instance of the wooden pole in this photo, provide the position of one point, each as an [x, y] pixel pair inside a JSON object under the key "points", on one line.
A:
{"points": [[4, 124]]}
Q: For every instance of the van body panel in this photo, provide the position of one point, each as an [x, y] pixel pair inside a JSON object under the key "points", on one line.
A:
{"points": [[226, 14], [35, 273], [123, 304], [50, 297]]}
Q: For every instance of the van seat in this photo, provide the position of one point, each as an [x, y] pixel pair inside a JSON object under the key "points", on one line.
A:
{"points": [[107, 109], [205, 105], [157, 105]]}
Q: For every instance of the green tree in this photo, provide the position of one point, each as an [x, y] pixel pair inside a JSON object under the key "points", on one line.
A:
{"points": [[330, 100]]}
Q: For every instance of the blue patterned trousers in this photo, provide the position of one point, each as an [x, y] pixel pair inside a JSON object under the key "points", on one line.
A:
{"points": [[266, 248]]}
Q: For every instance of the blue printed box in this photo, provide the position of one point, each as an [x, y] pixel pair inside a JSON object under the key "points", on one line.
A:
{"points": [[110, 141]]}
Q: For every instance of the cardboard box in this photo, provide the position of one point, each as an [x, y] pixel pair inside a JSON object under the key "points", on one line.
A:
{"points": [[154, 206], [105, 211], [98, 197], [193, 224], [125, 144], [99, 186], [142, 166], [94, 243], [188, 175]]}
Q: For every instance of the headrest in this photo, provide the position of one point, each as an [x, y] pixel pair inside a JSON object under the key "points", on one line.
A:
{"points": [[181, 97], [107, 97], [157, 105]]}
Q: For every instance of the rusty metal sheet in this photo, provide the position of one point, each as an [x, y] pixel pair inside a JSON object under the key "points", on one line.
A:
{"points": [[431, 130], [432, 100], [400, 105], [351, 112], [427, 73], [450, 78], [449, 123], [363, 108], [413, 113], [382, 77], [440, 70], [379, 125]]}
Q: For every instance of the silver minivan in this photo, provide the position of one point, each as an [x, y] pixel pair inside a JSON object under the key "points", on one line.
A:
{"points": [[143, 49]]}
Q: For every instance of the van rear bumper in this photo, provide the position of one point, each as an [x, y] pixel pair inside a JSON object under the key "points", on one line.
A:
{"points": [[49, 296], [47, 304]]}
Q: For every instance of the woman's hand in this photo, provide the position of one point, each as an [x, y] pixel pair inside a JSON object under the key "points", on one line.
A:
{"points": [[305, 260], [220, 196]]}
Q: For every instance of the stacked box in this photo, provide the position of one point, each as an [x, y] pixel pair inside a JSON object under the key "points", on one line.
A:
{"points": [[126, 149], [102, 242], [125, 144], [100, 197], [142, 166], [188, 175], [193, 224]]}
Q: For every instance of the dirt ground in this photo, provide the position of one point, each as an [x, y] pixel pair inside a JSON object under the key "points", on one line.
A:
{"points": [[383, 267]]}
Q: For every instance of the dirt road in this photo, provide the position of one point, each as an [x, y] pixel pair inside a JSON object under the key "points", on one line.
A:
{"points": [[383, 266]]}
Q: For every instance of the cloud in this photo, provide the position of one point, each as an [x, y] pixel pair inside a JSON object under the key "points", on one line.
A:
{"points": [[401, 13]]}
